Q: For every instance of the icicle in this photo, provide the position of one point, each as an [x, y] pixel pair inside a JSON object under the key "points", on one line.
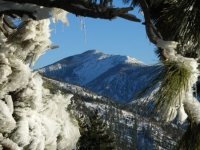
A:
{"points": [[81, 23], [84, 30], [182, 116], [83, 27], [62, 27], [55, 28]]}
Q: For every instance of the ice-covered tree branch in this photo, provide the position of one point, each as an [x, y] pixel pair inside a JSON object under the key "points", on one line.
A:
{"points": [[187, 67], [29, 111], [84, 8]]}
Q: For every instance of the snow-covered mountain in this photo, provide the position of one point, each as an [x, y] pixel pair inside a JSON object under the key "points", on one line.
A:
{"points": [[115, 76]]}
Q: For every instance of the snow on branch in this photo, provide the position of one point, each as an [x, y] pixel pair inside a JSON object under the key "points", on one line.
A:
{"points": [[33, 117], [84, 8], [192, 108], [185, 102]]}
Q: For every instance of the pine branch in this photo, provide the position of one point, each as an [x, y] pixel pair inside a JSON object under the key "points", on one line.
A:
{"points": [[130, 17], [152, 32], [150, 28], [84, 8]]}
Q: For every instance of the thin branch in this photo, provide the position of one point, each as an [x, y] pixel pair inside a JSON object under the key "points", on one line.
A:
{"points": [[150, 28], [130, 17], [152, 32]]}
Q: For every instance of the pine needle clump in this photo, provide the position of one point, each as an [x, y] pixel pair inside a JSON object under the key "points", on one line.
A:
{"points": [[173, 82]]}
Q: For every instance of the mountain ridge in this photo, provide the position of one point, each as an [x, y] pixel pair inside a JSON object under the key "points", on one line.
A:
{"points": [[110, 75]]}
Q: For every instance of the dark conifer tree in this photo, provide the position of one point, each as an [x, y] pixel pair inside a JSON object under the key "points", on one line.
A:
{"points": [[94, 135]]}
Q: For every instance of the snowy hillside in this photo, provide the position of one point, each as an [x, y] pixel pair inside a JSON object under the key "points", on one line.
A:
{"points": [[74, 88], [116, 76], [132, 131]]}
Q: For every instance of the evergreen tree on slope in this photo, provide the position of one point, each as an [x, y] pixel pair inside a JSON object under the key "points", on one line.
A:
{"points": [[93, 134]]}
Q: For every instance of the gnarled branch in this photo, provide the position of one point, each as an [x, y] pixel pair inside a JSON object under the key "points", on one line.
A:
{"points": [[152, 32], [84, 8]]}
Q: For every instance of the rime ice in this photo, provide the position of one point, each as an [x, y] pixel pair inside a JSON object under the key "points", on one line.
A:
{"points": [[32, 116], [187, 100]]}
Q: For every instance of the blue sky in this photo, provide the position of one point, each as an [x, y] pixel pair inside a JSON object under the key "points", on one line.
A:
{"points": [[118, 37]]}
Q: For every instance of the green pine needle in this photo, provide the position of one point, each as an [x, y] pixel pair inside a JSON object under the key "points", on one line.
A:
{"points": [[173, 79], [174, 82]]}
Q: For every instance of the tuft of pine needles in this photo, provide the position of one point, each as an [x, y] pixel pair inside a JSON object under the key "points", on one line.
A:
{"points": [[173, 80]]}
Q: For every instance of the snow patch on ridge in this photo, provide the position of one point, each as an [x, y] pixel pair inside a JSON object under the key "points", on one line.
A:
{"points": [[133, 60]]}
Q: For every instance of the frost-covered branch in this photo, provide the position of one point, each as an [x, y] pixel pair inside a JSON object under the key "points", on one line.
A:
{"points": [[192, 108], [84, 8], [9, 144], [183, 98], [31, 117]]}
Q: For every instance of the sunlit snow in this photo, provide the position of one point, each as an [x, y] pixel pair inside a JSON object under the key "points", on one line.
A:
{"points": [[31, 117]]}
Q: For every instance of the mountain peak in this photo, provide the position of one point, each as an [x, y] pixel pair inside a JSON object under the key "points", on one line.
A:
{"points": [[104, 73], [98, 55], [92, 51]]}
